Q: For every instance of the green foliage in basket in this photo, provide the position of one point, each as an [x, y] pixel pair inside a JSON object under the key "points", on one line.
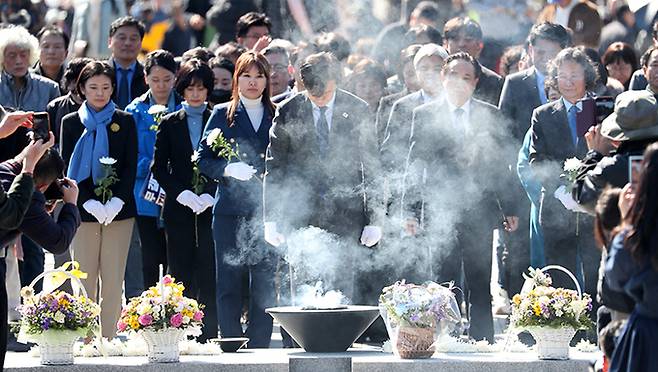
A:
{"points": [[57, 311]]}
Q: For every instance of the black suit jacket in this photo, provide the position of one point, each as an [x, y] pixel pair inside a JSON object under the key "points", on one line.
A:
{"points": [[489, 87], [138, 84], [453, 161], [332, 192], [172, 164], [57, 109], [550, 145], [123, 147], [384, 112], [396, 134], [519, 98]]}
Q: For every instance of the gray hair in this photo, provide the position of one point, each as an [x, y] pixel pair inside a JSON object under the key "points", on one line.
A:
{"points": [[20, 37], [575, 55]]}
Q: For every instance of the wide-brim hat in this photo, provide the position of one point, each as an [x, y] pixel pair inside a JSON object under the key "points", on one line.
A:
{"points": [[635, 117]]}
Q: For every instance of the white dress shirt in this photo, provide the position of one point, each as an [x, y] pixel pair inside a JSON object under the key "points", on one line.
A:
{"points": [[327, 114], [461, 126]]}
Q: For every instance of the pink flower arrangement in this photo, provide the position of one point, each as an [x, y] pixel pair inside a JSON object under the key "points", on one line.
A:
{"points": [[160, 307]]}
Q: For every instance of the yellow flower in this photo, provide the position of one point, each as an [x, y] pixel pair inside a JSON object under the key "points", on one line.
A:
{"points": [[516, 299], [536, 308], [114, 127]]}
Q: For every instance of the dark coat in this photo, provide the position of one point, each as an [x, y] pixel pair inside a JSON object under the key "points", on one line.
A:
{"points": [[398, 128], [172, 164], [384, 111], [520, 96], [123, 148], [38, 225], [138, 84], [14, 203], [550, 145], [446, 155], [235, 197], [57, 109], [599, 172], [304, 188], [489, 87]]}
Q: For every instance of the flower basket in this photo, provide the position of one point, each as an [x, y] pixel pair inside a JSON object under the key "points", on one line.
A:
{"points": [[551, 315], [163, 344], [55, 320], [413, 314], [162, 316]]}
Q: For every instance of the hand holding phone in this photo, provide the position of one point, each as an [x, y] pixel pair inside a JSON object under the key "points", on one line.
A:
{"points": [[40, 126]]}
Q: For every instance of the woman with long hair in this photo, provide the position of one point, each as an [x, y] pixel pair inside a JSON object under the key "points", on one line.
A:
{"points": [[186, 213], [245, 123], [632, 267], [96, 131]]}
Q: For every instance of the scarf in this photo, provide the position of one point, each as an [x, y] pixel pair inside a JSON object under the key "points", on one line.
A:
{"points": [[92, 144]]}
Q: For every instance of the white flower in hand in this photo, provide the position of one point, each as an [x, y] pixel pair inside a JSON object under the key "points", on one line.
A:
{"points": [[572, 164], [156, 109], [106, 160], [213, 135]]}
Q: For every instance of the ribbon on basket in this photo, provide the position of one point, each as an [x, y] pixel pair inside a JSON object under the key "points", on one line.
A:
{"points": [[58, 277]]}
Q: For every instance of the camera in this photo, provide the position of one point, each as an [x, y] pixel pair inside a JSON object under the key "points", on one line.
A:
{"points": [[594, 111], [41, 126], [54, 191]]}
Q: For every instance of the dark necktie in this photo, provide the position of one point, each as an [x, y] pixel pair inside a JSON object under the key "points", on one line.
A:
{"points": [[459, 121], [323, 131], [571, 117], [123, 97]]}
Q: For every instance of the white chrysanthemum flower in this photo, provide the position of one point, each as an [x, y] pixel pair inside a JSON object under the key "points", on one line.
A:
{"points": [[106, 160], [59, 317], [156, 109], [213, 135], [572, 164]]}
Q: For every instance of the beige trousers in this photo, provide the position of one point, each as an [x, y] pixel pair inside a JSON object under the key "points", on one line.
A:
{"points": [[101, 252]]}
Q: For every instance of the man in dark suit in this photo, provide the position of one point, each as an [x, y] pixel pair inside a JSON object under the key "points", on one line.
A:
{"points": [[321, 161], [458, 150], [462, 34], [524, 91], [555, 138], [126, 34], [428, 62]]}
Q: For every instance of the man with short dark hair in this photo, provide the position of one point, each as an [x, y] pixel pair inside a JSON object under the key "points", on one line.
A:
{"points": [[650, 69], [53, 44], [322, 152], [126, 34], [253, 31], [462, 34], [524, 91]]}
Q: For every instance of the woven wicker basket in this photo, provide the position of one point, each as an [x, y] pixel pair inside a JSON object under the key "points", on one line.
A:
{"points": [[163, 344], [552, 343], [415, 343], [58, 350]]}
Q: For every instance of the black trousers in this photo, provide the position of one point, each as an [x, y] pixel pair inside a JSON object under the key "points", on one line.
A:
{"points": [[4, 326], [154, 248], [191, 259], [32, 264], [474, 248]]}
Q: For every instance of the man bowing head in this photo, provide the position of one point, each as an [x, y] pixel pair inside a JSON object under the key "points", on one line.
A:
{"points": [[321, 160]]}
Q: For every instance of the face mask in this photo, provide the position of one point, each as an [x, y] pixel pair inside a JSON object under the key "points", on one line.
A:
{"points": [[218, 96]]}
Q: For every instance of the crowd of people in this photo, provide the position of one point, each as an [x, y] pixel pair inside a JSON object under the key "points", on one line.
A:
{"points": [[204, 137]]}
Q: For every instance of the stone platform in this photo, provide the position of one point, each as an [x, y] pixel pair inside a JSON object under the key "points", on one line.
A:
{"points": [[296, 360]]}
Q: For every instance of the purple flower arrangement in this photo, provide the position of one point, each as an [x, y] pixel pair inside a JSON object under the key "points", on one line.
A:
{"points": [[56, 311], [422, 306]]}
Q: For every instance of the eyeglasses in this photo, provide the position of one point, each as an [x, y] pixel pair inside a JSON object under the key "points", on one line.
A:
{"points": [[256, 36], [279, 68]]}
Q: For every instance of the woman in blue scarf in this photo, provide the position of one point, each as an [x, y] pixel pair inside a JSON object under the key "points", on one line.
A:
{"points": [[94, 139], [187, 214], [160, 70]]}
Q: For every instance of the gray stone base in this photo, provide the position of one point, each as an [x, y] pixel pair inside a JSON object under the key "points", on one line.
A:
{"points": [[296, 360]]}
